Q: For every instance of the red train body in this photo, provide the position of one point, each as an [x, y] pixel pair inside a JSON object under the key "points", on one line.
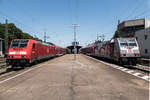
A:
{"points": [[89, 50], [23, 51], [60, 51]]}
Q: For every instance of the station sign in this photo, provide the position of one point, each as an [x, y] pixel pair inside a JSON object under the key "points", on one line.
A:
{"points": [[75, 43]]}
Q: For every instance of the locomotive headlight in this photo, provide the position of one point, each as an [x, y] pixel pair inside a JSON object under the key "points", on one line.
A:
{"points": [[136, 51], [23, 53], [12, 53], [137, 55], [10, 56], [23, 56], [123, 55]]}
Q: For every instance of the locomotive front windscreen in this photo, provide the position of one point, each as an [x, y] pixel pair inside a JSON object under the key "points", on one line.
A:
{"points": [[128, 42], [132, 44], [19, 44], [124, 44]]}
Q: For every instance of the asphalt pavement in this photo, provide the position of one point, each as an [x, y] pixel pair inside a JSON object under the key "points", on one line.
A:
{"points": [[63, 78]]}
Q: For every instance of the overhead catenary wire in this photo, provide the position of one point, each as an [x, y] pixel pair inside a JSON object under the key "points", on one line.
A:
{"points": [[70, 12], [12, 2], [21, 8], [77, 11], [73, 6], [135, 8], [15, 20], [126, 10], [25, 12], [137, 3], [142, 13]]}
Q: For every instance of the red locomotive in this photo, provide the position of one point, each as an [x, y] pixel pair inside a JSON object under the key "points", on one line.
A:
{"points": [[27, 51]]}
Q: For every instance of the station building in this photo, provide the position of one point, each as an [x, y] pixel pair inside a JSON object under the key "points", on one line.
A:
{"points": [[143, 38], [140, 29], [129, 27]]}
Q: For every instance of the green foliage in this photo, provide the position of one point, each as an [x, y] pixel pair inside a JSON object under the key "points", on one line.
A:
{"points": [[14, 33], [26, 36], [2, 30], [117, 34]]}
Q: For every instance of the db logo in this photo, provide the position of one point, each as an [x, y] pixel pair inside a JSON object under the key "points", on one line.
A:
{"points": [[17, 52], [129, 50]]}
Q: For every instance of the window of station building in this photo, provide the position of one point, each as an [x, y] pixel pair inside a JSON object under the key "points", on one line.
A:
{"points": [[146, 51], [145, 37]]}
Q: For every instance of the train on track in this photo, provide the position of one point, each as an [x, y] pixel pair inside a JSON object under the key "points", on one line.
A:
{"points": [[124, 51], [28, 51]]}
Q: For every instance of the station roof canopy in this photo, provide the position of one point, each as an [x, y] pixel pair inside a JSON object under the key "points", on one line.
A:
{"points": [[134, 23], [72, 47]]}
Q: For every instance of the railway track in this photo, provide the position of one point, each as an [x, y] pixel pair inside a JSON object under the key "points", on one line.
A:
{"points": [[142, 68], [8, 69], [2, 63], [138, 67], [5, 69]]}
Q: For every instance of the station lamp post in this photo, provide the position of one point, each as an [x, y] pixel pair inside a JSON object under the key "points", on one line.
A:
{"points": [[6, 38], [75, 26]]}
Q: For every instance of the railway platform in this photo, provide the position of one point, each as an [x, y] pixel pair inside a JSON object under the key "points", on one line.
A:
{"points": [[64, 78]]}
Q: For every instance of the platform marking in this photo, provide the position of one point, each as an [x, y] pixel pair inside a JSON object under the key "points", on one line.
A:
{"points": [[145, 77], [80, 63], [20, 74], [124, 69], [83, 65], [120, 68], [115, 66], [131, 72], [136, 74]]}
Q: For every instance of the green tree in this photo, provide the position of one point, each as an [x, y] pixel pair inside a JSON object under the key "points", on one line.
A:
{"points": [[117, 34], [14, 33]]}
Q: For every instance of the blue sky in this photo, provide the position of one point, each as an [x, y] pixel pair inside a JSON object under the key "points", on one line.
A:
{"points": [[57, 16]]}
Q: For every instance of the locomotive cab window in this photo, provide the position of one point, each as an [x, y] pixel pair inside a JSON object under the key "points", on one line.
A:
{"points": [[19, 44], [15, 44], [23, 43], [132, 44], [128, 44], [123, 44]]}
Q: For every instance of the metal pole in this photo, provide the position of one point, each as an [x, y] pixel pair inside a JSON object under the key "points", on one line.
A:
{"points": [[6, 37], [75, 26], [44, 36], [1, 50], [74, 42]]}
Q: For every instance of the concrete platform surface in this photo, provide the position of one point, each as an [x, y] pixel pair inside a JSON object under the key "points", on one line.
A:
{"points": [[65, 79]]}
